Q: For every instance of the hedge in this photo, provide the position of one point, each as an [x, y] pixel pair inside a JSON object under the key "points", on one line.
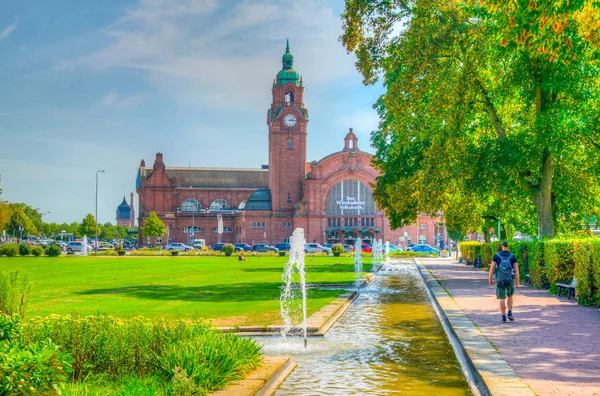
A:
{"points": [[551, 261]]}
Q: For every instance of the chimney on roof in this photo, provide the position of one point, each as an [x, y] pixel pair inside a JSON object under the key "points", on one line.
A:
{"points": [[158, 161], [132, 210]]}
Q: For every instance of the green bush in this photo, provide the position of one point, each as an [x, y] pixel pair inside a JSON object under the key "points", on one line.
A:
{"points": [[53, 250], [467, 250], [537, 266], [9, 250], [24, 249], [228, 248], [486, 254], [27, 369], [37, 251], [558, 256], [595, 267], [583, 271], [337, 248], [142, 347], [15, 291]]}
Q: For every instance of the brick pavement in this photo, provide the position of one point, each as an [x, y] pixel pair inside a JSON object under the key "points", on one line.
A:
{"points": [[554, 344]]}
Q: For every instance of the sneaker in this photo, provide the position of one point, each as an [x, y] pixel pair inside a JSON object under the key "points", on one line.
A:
{"points": [[504, 318], [510, 316]]}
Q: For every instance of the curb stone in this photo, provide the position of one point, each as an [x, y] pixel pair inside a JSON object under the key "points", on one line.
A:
{"points": [[486, 371], [263, 381]]}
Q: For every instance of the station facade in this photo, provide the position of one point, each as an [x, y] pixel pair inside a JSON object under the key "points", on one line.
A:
{"points": [[331, 199]]}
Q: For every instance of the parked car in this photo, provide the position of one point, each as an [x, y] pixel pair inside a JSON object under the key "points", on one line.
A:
{"points": [[263, 247], [178, 246], [348, 248], [394, 248], [104, 246], [243, 246], [316, 248], [365, 248], [77, 246], [283, 246], [424, 248], [410, 245], [217, 247]]}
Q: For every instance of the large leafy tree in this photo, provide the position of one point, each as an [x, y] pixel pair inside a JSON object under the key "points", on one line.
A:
{"points": [[20, 224], [4, 213], [88, 225], [153, 227], [491, 108]]}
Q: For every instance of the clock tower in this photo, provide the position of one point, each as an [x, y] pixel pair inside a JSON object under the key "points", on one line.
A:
{"points": [[287, 119]]}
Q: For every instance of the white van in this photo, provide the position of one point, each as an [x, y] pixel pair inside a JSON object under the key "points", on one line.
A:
{"points": [[199, 243]]}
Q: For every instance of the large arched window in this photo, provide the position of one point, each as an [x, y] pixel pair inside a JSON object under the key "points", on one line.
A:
{"points": [[191, 205], [242, 205], [219, 204], [350, 198]]}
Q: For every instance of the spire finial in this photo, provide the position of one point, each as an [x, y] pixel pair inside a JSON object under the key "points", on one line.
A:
{"points": [[287, 46]]}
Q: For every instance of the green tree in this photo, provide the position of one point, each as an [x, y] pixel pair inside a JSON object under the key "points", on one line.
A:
{"points": [[20, 224], [88, 226], [491, 108], [153, 227]]}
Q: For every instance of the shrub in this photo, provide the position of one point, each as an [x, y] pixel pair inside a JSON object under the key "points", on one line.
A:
{"points": [[337, 248], [228, 248], [9, 250], [558, 256], [24, 249], [486, 254], [53, 250], [35, 368], [583, 271], [595, 267], [37, 251], [118, 247], [537, 266], [467, 250], [15, 291], [138, 346]]}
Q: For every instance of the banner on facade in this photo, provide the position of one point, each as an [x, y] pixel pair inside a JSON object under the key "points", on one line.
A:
{"points": [[351, 203]]}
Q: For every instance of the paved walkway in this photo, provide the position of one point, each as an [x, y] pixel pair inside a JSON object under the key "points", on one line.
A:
{"points": [[554, 344]]}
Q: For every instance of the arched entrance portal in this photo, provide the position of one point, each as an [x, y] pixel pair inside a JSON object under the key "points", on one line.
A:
{"points": [[335, 236], [367, 237]]}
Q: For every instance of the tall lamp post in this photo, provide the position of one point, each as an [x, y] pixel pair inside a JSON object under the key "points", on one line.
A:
{"points": [[96, 218]]}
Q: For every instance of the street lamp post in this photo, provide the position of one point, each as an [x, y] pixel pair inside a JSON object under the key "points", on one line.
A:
{"points": [[96, 218]]}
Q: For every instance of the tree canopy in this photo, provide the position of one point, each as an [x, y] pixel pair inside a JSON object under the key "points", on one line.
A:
{"points": [[88, 225], [153, 226], [491, 109]]}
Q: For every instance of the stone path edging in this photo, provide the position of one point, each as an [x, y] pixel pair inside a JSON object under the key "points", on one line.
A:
{"points": [[318, 324], [263, 381], [486, 371]]}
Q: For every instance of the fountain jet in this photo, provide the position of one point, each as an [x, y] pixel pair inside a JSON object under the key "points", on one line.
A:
{"points": [[296, 262]]}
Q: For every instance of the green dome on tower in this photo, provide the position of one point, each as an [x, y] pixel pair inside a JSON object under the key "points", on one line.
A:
{"points": [[287, 73]]}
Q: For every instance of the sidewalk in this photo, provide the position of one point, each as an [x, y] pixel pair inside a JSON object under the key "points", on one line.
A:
{"points": [[553, 345]]}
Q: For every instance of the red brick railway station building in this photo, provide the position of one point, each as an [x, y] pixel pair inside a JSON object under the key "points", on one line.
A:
{"points": [[330, 198]]}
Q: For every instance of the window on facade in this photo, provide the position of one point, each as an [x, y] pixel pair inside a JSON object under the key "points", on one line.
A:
{"points": [[422, 239], [372, 222], [339, 222], [409, 240], [226, 230], [191, 205], [169, 239], [159, 240], [219, 204], [264, 225], [194, 229], [289, 98], [422, 226], [289, 197], [290, 144], [242, 205]]}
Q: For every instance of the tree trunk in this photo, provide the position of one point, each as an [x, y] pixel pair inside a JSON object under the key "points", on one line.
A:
{"points": [[543, 199], [486, 235]]}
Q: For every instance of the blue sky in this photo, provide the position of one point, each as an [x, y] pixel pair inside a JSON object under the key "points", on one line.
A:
{"points": [[90, 85]]}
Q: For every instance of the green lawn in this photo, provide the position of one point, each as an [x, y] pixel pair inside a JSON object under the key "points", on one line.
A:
{"points": [[221, 289]]}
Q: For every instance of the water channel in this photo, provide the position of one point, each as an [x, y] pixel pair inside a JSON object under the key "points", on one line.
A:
{"points": [[390, 341]]}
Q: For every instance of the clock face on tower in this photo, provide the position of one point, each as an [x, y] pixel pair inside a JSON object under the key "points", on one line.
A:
{"points": [[289, 120]]}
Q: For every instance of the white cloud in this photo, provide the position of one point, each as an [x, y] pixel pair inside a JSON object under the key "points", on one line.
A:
{"points": [[7, 31], [217, 54], [115, 101]]}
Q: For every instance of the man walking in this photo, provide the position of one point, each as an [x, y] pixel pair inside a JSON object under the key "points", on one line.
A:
{"points": [[503, 265]]}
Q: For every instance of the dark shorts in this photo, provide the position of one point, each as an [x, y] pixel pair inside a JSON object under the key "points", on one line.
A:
{"points": [[505, 291]]}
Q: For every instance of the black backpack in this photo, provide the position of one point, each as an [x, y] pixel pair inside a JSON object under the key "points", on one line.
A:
{"points": [[504, 270]]}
